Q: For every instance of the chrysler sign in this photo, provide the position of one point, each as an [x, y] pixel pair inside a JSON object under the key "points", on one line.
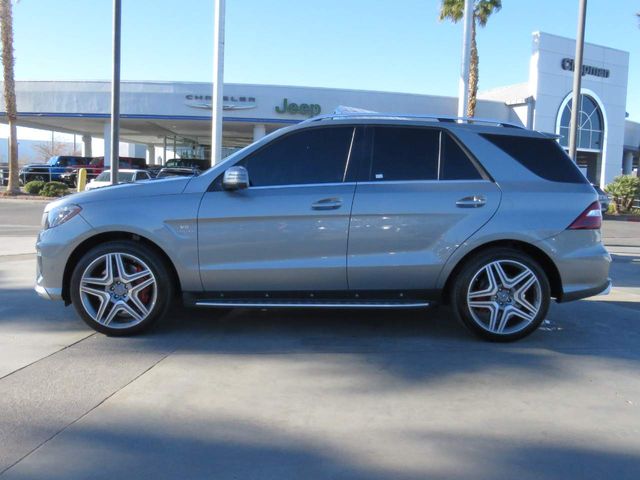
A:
{"points": [[229, 102]]}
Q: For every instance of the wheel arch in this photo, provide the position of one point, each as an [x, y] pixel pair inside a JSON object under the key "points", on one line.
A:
{"points": [[100, 238], [547, 264]]}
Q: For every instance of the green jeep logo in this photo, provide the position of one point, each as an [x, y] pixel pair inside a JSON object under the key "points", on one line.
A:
{"points": [[310, 109]]}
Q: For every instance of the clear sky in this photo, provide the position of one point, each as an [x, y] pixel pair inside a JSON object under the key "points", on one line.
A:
{"points": [[388, 45]]}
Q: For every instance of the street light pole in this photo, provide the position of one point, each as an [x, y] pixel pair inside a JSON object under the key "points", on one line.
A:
{"points": [[463, 84], [577, 79], [115, 93], [218, 79]]}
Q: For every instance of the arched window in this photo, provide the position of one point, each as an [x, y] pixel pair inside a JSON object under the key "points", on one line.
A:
{"points": [[590, 125]]}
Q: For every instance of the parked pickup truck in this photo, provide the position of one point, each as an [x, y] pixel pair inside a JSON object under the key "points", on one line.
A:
{"points": [[53, 169]]}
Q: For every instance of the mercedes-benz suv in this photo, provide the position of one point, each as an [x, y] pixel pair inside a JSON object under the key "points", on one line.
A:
{"points": [[340, 211]]}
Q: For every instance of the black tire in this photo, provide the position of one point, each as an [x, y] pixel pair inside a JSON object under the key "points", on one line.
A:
{"points": [[474, 271], [129, 250]]}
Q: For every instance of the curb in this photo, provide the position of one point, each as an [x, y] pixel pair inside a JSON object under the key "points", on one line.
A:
{"points": [[622, 218], [27, 197]]}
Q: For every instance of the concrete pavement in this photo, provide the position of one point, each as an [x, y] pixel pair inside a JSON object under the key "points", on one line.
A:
{"points": [[306, 394]]}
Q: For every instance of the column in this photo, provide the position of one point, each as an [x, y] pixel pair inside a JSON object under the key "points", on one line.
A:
{"points": [[138, 151], [86, 146], [151, 154], [259, 131], [627, 162], [107, 144]]}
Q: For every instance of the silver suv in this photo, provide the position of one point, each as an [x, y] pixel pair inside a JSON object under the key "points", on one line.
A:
{"points": [[342, 211]]}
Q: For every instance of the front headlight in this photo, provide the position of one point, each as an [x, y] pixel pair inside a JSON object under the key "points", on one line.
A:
{"points": [[59, 215]]}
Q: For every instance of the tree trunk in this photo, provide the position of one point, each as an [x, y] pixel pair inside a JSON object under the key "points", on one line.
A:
{"points": [[473, 72], [6, 27]]}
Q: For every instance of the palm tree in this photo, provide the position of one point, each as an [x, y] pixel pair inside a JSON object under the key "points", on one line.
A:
{"points": [[6, 27], [453, 10]]}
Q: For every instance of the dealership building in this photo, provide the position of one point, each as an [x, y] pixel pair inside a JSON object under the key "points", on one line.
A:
{"points": [[163, 119]]}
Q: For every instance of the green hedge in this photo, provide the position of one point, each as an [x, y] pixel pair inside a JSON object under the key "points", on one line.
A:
{"points": [[624, 189], [54, 189], [34, 187]]}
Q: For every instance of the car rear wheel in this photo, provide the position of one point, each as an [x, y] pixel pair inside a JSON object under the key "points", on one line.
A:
{"points": [[501, 295], [121, 288]]}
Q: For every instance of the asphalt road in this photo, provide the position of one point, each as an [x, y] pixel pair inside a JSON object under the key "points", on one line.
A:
{"points": [[279, 395]]}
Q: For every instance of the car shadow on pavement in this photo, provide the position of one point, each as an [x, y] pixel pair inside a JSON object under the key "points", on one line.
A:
{"points": [[409, 345]]}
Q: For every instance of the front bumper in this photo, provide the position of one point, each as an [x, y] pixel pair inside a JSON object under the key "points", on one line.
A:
{"points": [[48, 294], [53, 249]]}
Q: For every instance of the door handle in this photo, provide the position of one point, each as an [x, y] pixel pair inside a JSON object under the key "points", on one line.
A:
{"points": [[473, 201], [327, 204]]}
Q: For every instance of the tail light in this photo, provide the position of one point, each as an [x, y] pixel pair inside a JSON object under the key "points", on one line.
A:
{"points": [[590, 219]]}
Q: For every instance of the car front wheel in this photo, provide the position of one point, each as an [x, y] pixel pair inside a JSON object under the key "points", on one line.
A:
{"points": [[501, 295], [121, 288]]}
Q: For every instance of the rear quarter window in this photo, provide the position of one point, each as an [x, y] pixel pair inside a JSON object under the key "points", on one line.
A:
{"points": [[542, 156]]}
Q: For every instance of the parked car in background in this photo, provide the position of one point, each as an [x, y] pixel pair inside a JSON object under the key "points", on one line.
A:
{"points": [[199, 163], [4, 173], [603, 198], [154, 170], [177, 172], [53, 168], [124, 176], [96, 167]]}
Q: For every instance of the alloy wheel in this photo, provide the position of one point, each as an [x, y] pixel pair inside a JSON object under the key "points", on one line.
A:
{"points": [[504, 297], [118, 290]]}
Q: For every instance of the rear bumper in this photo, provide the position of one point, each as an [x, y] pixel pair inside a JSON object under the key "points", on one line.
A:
{"points": [[582, 263], [603, 289]]}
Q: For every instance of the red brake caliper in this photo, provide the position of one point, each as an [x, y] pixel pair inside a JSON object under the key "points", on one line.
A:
{"points": [[144, 294]]}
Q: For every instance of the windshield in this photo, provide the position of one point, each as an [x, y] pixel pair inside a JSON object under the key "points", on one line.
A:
{"points": [[53, 160], [123, 177]]}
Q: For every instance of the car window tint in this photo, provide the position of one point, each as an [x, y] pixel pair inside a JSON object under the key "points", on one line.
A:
{"points": [[542, 156], [454, 163], [401, 153], [316, 155]]}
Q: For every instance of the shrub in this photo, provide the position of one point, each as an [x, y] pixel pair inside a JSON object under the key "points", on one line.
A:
{"points": [[623, 189], [34, 187], [54, 189]]}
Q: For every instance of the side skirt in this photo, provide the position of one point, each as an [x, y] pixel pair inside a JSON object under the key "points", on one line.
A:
{"points": [[347, 300]]}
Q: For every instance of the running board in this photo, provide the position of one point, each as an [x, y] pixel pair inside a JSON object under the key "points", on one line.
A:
{"points": [[305, 303]]}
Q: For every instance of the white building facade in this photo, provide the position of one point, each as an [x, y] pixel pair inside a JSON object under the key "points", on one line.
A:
{"points": [[166, 119], [607, 142]]}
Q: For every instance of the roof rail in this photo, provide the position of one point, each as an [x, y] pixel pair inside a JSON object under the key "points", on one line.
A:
{"points": [[439, 118]]}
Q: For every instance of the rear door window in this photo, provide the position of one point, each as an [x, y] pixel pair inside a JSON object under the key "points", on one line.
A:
{"points": [[404, 153], [455, 164]]}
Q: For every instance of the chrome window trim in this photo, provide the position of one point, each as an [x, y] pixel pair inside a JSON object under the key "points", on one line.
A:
{"points": [[299, 185], [391, 182]]}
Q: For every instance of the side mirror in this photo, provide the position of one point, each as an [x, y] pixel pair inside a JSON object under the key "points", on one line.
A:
{"points": [[235, 178]]}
